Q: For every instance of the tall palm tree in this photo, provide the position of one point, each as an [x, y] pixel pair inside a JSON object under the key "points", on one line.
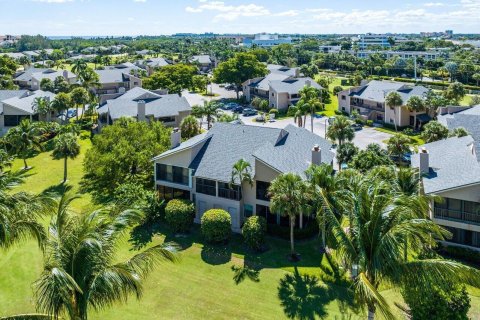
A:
{"points": [[373, 245], [20, 212], [322, 180], [24, 139], [310, 98], [80, 97], [242, 173], [66, 146], [90, 79], [79, 67], [415, 104], [288, 196], [82, 270], [43, 106], [394, 100], [62, 102], [211, 112], [341, 130]]}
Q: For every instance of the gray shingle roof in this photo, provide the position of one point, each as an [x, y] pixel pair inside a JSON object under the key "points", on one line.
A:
{"points": [[156, 105], [7, 94], [286, 150], [25, 102], [377, 91], [293, 86], [185, 145], [48, 74], [264, 83], [453, 164], [13, 55], [154, 62], [276, 68], [202, 59], [113, 75], [27, 74]]}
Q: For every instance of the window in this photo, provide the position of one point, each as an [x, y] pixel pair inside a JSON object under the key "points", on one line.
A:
{"points": [[344, 97], [262, 190], [173, 174], [273, 94], [167, 119], [227, 191], [207, 187], [168, 193], [264, 211]]}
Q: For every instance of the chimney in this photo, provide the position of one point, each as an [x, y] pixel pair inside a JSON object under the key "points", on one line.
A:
{"points": [[175, 138], [308, 83], [424, 161], [316, 155], [297, 72], [65, 74], [141, 110]]}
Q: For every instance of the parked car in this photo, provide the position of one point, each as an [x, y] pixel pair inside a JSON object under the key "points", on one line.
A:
{"points": [[249, 112], [238, 109], [230, 87], [231, 106], [357, 126]]}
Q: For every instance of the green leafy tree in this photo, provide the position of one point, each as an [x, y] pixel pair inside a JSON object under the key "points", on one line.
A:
{"points": [[369, 158], [434, 131], [394, 100], [24, 139], [341, 130], [61, 103], [47, 85], [82, 270], [121, 152], [189, 127], [476, 77], [288, 194], [43, 106], [174, 78], [455, 92], [240, 68], [66, 146], [200, 82], [373, 244], [458, 132], [60, 84], [210, 111]]}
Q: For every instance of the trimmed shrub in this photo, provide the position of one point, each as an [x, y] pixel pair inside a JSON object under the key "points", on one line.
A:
{"points": [[273, 111], [179, 214], [254, 231], [369, 123], [216, 225]]}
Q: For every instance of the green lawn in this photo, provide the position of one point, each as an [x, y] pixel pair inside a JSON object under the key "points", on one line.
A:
{"points": [[199, 286], [418, 141], [333, 105]]}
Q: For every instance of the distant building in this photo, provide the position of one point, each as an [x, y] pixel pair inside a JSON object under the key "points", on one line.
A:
{"points": [[152, 64], [265, 40], [369, 101], [427, 55], [330, 49], [32, 77], [204, 62], [380, 40]]}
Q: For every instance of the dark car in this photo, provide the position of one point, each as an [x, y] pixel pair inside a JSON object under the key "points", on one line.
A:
{"points": [[249, 112], [357, 126], [231, 106], [230, 87], [238, 109]]}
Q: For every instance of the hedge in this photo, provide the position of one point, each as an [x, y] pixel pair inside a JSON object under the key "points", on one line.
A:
{"points": [[179, 215], [254, 231], [216, 225]]}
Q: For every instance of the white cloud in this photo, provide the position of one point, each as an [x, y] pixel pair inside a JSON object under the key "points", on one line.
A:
{"points": [[229, 12], [53, 1], [434, 4], [289, 13]]}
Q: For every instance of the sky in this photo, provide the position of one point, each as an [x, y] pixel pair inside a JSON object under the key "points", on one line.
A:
{"points": [[157, 17]]}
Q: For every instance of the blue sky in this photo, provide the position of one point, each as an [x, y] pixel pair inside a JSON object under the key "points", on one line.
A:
{"points": [[153, 17]]}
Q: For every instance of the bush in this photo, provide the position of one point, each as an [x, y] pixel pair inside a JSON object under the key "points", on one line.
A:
{"points": [[461, 253], [434, 302], [275, 111], [254, 231], [338, 112], [309, 231], [409, 132], [179, 214], [369, 123], [216, 225]]}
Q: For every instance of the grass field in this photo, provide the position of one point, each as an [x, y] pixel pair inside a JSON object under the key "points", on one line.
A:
{"points": [[418, 141], [333, 105], [200, 286]]}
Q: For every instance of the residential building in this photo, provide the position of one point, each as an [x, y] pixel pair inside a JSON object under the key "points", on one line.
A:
{"points": [[330, 49], [32, 55], [152, 64], [116, 80], [266, 40], [13, 55], [205, 62], [378, 40], [369, 101], [32, 77], [281, 87], [16, 105], [145, 105], [200, 168]]}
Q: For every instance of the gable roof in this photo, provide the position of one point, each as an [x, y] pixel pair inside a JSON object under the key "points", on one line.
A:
{"points": [[276, 68], [377, 91], [286, 150], [25, 102], [26, 75], [264, 83], [52, 75], [113, 75], [154, 62], [7, 94], [156, 105], [202, 59]]}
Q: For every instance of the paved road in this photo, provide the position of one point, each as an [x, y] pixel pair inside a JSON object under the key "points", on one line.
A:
{"points": [[195, 98]]}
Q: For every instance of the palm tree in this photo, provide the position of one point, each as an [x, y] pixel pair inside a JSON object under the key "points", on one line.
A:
{"points": [[415, 104], [322, 180], [310, 98], [394, 100], [242, 173], [341, 130], [61, 103], [288, 194], [20, 212], [79, 67], [210, 111], [66, 146], [24, 139], [82, 270], [43, 106], [90, 79], [80, 97], [398, 146], [345, 153], [373, 245]]}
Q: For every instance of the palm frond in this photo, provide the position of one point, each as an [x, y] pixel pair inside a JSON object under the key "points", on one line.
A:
{"points": [[370, 295]]}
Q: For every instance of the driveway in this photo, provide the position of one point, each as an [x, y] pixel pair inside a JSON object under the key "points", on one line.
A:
{"points": [[362, 138]]}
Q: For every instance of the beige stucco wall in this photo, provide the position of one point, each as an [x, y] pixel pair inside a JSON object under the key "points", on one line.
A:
{"points": [[279, 101]]}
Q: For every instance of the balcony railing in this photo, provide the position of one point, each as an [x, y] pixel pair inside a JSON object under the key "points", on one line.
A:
{"points": [[456, 215]]}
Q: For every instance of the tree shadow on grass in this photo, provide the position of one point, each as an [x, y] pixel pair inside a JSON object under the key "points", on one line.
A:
{"points": [[306, 297], [143, 234], [57, 190]]}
